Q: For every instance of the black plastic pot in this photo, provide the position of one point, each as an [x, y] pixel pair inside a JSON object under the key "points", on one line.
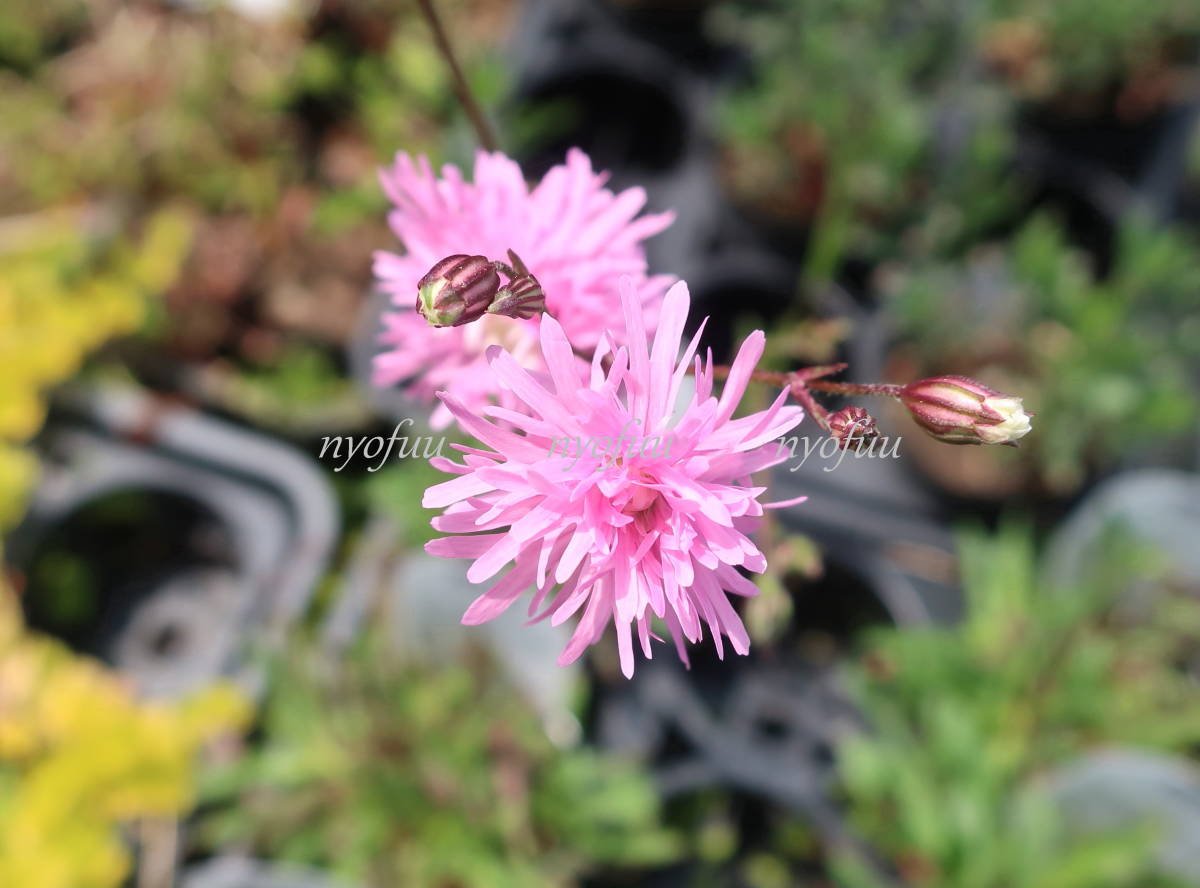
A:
{"points": [[1159, 507], [204, 540], [737, 284], [1125, 790], [619, 98], [761, 730]]}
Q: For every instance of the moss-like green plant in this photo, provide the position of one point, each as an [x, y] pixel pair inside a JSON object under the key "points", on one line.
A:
{"points": [[856, 121], [964, 719], [1083, 48], [398, 775], [883, 124]]}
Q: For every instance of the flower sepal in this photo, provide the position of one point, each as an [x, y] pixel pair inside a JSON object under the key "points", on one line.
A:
{"points": [[522, 297]]}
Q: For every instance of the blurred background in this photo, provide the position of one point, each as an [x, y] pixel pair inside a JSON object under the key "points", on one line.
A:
{"points": [[225, 665]]}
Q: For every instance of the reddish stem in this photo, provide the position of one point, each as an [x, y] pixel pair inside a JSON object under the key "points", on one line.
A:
{"points": [[810, 378], [483, 130], [885, 389], [810, 405], [801, 383]]}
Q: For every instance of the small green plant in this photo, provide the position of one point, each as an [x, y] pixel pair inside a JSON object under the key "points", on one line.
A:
{"points": [[852, 146], [883, 125], [391, 774], [1082, 49], [30, 28], [964, 720]]}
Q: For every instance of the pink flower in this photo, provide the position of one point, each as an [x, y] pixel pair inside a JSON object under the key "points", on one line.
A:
{"points": [[577, 238], [643, 514]]}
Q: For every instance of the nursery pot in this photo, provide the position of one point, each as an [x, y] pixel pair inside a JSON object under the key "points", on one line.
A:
{"points": [[167, 542]]}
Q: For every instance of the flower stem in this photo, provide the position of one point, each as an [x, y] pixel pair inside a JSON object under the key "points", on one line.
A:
{"points": [[803, 382], [810, 378], [483, 130], [884, 389], [810, 405]]}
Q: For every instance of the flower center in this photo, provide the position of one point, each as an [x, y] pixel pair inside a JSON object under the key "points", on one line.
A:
{"points": [[642, 498]]}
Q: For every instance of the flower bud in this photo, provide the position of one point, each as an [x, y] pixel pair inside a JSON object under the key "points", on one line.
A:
{"points": [[959, 410], [852, 426], [458, 290], [522, 297]]}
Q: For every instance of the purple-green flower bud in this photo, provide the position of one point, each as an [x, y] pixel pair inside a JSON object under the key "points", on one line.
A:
{"points": [[522, 297], [959, 410], [458, 290]]}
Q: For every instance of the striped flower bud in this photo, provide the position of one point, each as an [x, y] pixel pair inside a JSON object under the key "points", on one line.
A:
{"points": [[521, 297], [458, 290], [959, 410]]}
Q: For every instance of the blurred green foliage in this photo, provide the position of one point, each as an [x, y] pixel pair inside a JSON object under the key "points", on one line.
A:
{"points": [[32, 29], [889, 131], [396, 491], [964, 720], [1107, 363], [1073, 49], [885, 125], [217, 108], [269, 130], [853, 146], [394, 774]]}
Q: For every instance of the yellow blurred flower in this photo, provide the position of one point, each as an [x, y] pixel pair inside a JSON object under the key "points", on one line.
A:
{"points": [[17, 470], [80, 755], [61, 296]]}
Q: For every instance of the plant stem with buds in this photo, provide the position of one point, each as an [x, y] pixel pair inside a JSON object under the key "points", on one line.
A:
{"points": [[803, 382], [810, 378], [953, 409]]}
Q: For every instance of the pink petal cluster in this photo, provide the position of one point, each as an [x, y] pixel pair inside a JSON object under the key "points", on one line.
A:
{"points": [[577, 238], [623, 533]]}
